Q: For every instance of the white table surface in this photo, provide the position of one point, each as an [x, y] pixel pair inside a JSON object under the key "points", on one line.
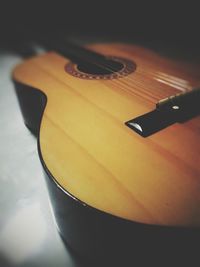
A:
{"points": [[28, 235]]}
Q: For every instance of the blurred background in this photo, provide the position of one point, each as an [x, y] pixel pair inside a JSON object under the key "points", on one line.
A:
{"points": [[28, 236], [169, 22]]}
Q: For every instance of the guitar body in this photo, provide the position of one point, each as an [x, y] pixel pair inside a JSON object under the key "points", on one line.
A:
{"points": [[114, 191]]}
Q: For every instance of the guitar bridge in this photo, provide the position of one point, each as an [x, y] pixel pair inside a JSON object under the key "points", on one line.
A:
{"points": [[177, 108]]}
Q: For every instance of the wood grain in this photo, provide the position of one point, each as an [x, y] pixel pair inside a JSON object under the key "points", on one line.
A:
{"points": [[99, 160]]}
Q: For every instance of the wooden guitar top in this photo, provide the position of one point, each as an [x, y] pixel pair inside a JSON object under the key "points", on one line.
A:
{"points": [[97, 159]]}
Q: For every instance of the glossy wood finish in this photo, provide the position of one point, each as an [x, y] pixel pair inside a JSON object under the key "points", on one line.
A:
{"points": [[97, 159]]}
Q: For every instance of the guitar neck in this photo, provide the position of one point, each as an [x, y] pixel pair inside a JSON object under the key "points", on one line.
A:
{"points": [[71, 50]]}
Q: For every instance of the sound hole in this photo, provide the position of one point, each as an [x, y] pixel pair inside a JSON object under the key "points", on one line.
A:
{"points": [[106, 68], [110, 68]]}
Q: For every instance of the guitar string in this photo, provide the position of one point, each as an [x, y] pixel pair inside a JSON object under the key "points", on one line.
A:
{"points": [[181, 83], [153, 74], [132, 91], [168, 91], [172, 84], [153, 97]]}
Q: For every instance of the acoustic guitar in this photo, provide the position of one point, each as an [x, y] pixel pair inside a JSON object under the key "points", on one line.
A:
{"points": [[118, 137]]}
